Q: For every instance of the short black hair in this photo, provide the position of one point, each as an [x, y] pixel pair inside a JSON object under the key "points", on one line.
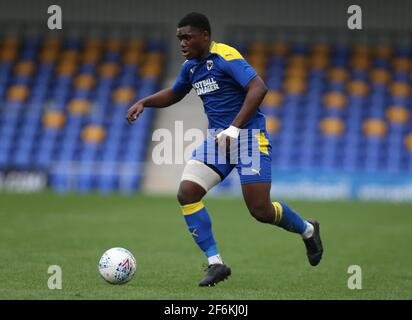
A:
{"points": [[196, 20]]}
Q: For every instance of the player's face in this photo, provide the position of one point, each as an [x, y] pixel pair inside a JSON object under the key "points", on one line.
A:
{"points": [[193, 42]]}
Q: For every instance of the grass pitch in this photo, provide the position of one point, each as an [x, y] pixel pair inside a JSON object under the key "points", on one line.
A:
{"points": [[72, 231]]}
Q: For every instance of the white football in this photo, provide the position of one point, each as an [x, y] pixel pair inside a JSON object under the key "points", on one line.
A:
{"points": [[117, 266]]}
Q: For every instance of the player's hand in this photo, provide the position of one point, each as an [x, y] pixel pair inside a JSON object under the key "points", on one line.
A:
{"points": [[134, 112], [223, 138]]}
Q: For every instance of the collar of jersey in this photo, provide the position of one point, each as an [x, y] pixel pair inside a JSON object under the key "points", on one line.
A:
{"points": [[212, 44]]}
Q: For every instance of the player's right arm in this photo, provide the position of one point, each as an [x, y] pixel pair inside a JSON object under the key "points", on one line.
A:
{"points": [[163, 98]]}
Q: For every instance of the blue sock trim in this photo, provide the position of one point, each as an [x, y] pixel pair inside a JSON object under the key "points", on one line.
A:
{"points": [[291, 221], [200, 227], [212, 251]]}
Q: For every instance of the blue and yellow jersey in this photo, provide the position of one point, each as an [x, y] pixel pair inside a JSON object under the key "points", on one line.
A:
{"points": [[220, 80]]}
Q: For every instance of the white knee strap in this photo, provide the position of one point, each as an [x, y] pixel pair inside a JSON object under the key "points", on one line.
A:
{"points": [[198, 172]]}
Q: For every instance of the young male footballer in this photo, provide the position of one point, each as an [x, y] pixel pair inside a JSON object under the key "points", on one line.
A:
{"points": [[231, 92]]}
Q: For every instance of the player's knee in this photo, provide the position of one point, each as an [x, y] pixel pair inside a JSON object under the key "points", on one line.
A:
{"points": [[188, 193], [260, 213], [183, 196]]}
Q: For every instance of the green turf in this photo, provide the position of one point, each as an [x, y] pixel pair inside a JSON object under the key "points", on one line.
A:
{"points": [[72, 231]]}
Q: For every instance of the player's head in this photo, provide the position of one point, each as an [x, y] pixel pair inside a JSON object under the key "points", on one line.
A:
{"points": [[193, 32]]}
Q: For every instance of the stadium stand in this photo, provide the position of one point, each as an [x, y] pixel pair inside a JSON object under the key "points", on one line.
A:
{"points": [[63, 102], [329, 107]]}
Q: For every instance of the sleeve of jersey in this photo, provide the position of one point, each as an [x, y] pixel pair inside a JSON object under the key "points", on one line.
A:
{"points": [[182, 84], [240, 70]]}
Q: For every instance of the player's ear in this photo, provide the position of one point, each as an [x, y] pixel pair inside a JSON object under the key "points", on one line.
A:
{"points": [[205, 35]]}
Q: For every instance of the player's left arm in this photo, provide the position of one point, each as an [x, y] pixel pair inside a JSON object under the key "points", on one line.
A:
{"points": [[256, 91], [235, 66]]}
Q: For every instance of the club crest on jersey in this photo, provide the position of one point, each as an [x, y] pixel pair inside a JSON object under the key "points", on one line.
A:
{"points": [[209, 64]]}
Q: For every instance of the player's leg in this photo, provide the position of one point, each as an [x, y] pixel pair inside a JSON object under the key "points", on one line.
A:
{"points": [[256, 178], [197, 179], [257, 198], [190, 196]]}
